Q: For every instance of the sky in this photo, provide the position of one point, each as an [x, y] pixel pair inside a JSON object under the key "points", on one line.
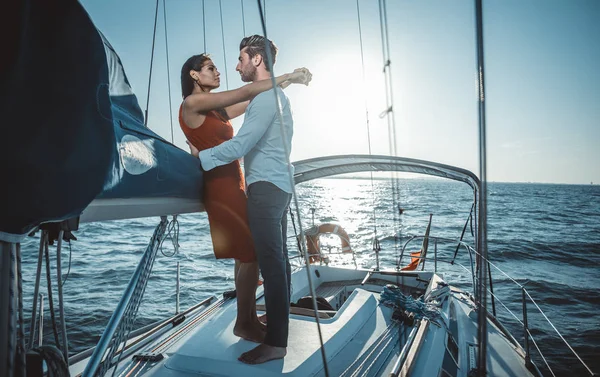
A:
{"points": [[541, 74]]}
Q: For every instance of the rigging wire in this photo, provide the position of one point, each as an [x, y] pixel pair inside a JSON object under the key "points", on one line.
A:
{"points": [[49, 286], [376, 245], [391, 120], [36, 293], [61, 301], [362, 61], [223, 40], [69, 268], [151, 61], [204, 25], [168, 70], [243, 18], [311, 287]]}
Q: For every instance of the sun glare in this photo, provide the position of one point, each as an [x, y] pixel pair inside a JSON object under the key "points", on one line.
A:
{"points": [[331, 117]]}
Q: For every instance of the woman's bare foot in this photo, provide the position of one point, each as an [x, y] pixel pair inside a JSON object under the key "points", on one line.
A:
{"points": [[263, 319], [261, 325], [262, 353], [249, 332]]}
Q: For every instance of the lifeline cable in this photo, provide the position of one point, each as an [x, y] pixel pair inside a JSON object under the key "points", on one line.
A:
{"points": [[243, 18], [204, 25], [389, 114], [168, 71], [151, 61], [376, 244], [291, 177], [223, 40]]}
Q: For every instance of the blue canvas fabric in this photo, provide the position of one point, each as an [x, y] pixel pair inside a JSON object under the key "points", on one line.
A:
{"points": [[144, 164], [57, 139], [72, 129]]}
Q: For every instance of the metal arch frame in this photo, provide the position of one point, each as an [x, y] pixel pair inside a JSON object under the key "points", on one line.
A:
{"points": [[314, 168]]}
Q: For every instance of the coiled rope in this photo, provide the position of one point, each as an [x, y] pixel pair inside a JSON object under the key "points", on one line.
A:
{"points": [[392, 296]]}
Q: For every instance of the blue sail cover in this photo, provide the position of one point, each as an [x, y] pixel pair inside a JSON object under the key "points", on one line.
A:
{"points": [[144, 165], [72, 129]]}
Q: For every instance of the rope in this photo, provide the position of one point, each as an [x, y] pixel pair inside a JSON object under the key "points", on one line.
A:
{"points": [[57, 367], [49, 284], [168, 70], [292, 184], [392, 296], [376, 244], [366, 356], [223, 40], [61, 306], [33, 324], [69, 269], [378, 355], [174, 237]]}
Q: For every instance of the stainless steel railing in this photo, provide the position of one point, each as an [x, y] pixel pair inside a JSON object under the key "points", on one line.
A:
{"points": [[526, 298]]}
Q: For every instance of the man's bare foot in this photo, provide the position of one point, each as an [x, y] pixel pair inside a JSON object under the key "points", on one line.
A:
{"points": [[252, 333], [262, 353]]}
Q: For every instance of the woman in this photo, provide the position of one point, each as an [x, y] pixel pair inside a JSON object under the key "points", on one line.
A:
{"points": [[204, 118]]}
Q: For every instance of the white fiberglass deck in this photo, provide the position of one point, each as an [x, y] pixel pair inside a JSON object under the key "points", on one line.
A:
{"points": [[212, 350]]}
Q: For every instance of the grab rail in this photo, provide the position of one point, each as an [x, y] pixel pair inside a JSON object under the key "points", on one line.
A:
{"points": [[525, 295]]}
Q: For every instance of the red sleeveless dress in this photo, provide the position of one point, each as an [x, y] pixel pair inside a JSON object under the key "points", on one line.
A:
{"points": [[224, 194]]}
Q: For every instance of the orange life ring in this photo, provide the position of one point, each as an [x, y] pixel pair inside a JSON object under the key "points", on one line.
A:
{"points": [[313, 243]]}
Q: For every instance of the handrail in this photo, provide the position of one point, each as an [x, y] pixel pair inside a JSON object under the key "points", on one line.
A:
{"points": [[436, 239], [526, 295]]}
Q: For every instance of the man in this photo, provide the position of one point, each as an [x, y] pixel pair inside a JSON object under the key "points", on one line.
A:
{"points": [[266, 154]]}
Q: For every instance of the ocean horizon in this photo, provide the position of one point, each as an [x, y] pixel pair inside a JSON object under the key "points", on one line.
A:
{"points": [[545, 235]]}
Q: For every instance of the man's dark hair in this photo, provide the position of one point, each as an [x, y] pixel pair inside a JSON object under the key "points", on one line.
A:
{"points": [[256, 46]]}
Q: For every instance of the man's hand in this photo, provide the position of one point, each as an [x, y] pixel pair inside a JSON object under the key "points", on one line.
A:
{"points": [[193, 150], [300, 76]]}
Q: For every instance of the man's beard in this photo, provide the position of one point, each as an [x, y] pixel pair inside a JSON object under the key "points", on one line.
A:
{"points": [[249, 75]]}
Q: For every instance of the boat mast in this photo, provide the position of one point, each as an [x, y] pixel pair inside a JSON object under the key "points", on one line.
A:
{"points": [[482, 256]]}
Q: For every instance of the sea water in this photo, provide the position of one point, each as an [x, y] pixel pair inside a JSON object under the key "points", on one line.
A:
{"points": [[545, 236]]}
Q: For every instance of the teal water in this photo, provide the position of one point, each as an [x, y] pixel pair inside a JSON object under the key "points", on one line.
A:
{"points": [[545, 236]]}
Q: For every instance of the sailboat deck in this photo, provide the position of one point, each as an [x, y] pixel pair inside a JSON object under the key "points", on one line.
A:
{"points": [[359, 339], [212, 349]]}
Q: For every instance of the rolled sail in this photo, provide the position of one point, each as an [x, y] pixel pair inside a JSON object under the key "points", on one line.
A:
{"points": [[73, 131]]}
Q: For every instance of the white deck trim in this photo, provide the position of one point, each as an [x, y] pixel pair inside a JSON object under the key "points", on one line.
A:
{"points": [[130, 208]]}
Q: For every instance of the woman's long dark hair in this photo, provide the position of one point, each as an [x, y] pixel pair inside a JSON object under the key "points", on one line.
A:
{"points": [[187, 82]]}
